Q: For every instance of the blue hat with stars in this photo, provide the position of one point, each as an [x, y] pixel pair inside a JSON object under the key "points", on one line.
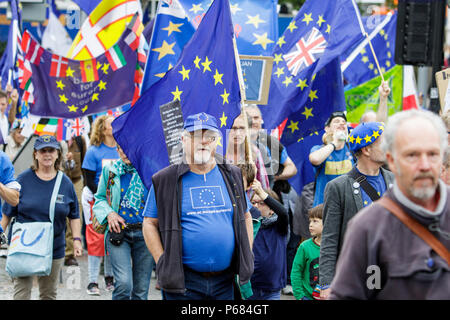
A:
{"points": [[364, 135], [201, 121]]}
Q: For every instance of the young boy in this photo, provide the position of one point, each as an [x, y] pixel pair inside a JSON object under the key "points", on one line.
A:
{"points": [[305, 268]]}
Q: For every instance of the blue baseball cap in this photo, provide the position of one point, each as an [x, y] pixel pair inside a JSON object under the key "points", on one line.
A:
{"points": [[46, 141], [364, 135], [201, 121]]}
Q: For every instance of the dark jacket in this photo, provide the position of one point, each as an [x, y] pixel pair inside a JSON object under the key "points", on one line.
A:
{"points": [[167, 184], [341, 203]]}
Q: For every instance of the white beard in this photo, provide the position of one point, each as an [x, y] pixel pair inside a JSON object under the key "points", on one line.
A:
{"points": [[202, 157]]}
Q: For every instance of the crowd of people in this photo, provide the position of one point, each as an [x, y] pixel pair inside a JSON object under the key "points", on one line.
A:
{"points": [[222, 227]]}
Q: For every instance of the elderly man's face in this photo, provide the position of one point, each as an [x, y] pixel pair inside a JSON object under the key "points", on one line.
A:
{"points": [[416, 160], [200, 146]]}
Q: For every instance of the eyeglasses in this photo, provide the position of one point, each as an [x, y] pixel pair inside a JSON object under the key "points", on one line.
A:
{"points": [[47, 150], [209, 137], [258, 203]]}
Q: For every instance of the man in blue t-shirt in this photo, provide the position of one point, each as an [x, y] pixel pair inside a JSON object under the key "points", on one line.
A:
{"points": [[333, 158], [346, 195], [196, 221]]}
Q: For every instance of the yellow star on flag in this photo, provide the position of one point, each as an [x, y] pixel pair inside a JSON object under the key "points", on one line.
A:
{"points": [[206, 65], [60, 84], [281, 41], [95, 97], [84, 109], [308, 113], [105, 68], [225, 96], [371, 66], [312, 95], [219, 141], [165, 49], [177, 94], [63, 98], [328, 29], [292, 26], [197, 62], [302, 84], [368, 138], [223, 120], [365, 59], [69, 72], [234, 8], [72, 108], [184, 73], [307, 18], [262, 40], [99, 65], [196, 7], [172, 27], [320, 21], [287, 81], [102, 85], [277, 58], [255, 21], [293, 126], [358, 140], [279, 72], [351, 139], [218, 77]]}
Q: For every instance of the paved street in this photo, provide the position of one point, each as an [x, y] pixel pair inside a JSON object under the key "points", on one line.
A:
{"points": [[73, 284]]}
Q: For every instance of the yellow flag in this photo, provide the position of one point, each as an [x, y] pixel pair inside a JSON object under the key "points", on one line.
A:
{"points": [[104, 26]]}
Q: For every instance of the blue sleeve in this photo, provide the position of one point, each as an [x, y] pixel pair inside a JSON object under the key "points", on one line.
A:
{"points": [[249, 204], [74, 210], [7, 170], [283, 156], [89, 162], [150, 210]]}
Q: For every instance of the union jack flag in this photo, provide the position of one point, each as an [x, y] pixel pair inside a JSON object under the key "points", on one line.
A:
{"points": [[305, 52]]}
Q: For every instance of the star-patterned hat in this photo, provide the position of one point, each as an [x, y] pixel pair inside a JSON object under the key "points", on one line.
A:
{"points": [[201, 121], [364, 135]]}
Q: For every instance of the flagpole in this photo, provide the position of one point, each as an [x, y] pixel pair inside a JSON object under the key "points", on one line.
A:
{"points": [[248, 153], [368, 38]]}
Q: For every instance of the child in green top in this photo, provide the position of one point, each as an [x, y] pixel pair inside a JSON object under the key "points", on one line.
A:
{"points": [[305, 268]]}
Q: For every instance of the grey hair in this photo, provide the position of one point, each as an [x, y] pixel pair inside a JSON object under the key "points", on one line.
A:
{"points": [[397, 119], [446, 160]]}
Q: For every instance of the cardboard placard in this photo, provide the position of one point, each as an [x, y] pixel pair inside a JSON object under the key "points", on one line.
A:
{"points": [[256, 71], [442, 78]]}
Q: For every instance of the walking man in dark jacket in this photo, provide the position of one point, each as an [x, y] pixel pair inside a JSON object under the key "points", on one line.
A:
{"points": [[349, 193], [197, 224], [381, 257]]}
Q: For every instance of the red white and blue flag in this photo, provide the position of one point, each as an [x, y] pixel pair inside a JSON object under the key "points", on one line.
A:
{"points": [[306, 51]]}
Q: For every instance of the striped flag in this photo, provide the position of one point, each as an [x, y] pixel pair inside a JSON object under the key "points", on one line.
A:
{"points": [[34, 52], [59, 66], [89, 70], [132, 40], [410, 99], [115, 58], [101, 30], [46, 126]]}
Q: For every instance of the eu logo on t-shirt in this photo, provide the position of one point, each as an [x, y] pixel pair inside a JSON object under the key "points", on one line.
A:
{"points": [[207, 197]]}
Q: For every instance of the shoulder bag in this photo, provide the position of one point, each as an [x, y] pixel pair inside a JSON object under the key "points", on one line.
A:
{"points": [[31, 249]]}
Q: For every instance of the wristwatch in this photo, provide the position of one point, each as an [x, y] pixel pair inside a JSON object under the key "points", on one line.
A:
{"points": [[334, 146], [76, 238]]}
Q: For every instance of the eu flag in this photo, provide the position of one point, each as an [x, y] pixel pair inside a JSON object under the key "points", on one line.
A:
{"points": [[359, 64], [8, 62], [204, 79], [304, 128], [321, 31]]}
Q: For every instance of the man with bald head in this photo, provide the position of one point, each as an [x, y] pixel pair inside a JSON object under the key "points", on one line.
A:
{"points": [[381, 257]]}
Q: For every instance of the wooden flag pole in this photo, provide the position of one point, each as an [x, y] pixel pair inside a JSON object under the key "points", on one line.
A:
{"points": [[248, 153], [375, 57]]}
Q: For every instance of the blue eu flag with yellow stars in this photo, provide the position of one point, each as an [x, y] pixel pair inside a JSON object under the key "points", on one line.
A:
{"points": [[321, 31], [304, 128], [359, 64], [255, 24], [205, 79]]}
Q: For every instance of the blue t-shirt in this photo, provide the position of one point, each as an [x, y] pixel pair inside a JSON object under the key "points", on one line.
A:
{"points": [[206, 221], [97, 157], [34, 206], [6, 170], [283, 155], [378, 183], [125, 211], [337, 163]]}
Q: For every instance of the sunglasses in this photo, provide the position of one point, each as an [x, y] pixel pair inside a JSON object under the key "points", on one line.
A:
{"points": [[47, 150]]}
